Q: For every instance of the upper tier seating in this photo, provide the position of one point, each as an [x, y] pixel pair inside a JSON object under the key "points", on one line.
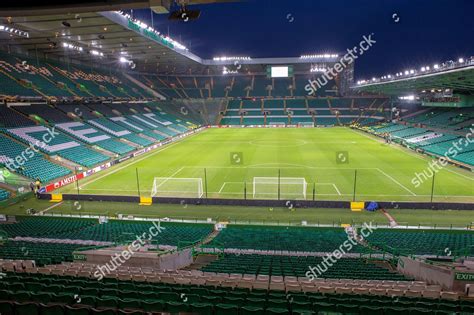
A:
{"points": [[79, 110], [47, 112], [24, 76], [34, 75]]}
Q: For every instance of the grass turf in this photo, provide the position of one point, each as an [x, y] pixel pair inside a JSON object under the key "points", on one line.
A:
{"points": [[255, 215], [326, 157]]}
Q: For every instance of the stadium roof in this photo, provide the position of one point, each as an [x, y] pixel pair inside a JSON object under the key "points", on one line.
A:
{"points": [[107, 37], [459, 80]]}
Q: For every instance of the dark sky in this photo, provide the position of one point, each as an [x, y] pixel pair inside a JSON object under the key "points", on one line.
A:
{"points": [[427, 31]]}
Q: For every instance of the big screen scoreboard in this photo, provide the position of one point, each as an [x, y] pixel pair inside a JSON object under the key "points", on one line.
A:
{"points": [[279, 71]]}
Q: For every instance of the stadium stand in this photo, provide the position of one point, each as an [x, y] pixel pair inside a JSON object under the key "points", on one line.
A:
{"points": [[41, 252], [4, 194], [114, 231], [435, 132], [33, 167], [428, 242], [274, 238], [297, 266]]}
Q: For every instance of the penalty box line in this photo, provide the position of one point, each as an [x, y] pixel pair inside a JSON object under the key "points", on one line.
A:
{"points": [[251, 185]]}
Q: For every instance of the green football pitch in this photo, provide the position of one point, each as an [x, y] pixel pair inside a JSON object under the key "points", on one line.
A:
{"points": [[290, 163]]}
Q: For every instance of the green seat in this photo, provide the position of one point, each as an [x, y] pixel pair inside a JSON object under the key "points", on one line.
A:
{"points": [[26, 309], [202, 308], [277, 310], [419, 311], [226, 309], [69, 310], [323, 307], [85, 300], [42, 297], [176, 307], [6, 308], [251, 310], [153, 305], [130, 312], [371, 310], [129, 304], [106, 302], [394, 310], [278, 303], [301, 306], [103, 311], [348, 309], [64, 298], [51, 309], [255, 302]]}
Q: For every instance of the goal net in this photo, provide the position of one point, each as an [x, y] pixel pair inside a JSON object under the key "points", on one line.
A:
{"points": [[177, 187], [286, 187]]}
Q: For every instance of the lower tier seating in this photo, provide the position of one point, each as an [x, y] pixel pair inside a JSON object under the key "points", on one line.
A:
{"points": [[113, 231], [42, 253], [33, 167], [282, 238], [34, 294]]}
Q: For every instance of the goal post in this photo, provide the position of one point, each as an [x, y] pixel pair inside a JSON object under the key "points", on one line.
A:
{"points": [[177, 187], [285, 187]]}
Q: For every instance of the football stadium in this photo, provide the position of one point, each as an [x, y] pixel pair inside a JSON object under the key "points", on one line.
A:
{"points": [[236, 157]]}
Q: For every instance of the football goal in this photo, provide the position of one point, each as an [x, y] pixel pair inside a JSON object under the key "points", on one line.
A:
{"points": [[177, 187], [285, 187]]}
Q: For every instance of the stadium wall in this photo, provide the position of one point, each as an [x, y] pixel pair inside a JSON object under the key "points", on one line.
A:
{"points": [[291, 204]]}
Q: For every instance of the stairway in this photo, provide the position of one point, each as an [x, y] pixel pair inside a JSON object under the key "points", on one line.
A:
{"points": [[201, 261]]}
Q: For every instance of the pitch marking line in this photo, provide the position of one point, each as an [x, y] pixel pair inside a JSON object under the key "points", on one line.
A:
{"points": [[396, 182], [335, 187], [132, 163], [414, 154], [330, 184], [170, 177], [51, 207]]}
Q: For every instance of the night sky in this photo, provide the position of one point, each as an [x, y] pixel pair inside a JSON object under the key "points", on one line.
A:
{"points": [[427, 31]]}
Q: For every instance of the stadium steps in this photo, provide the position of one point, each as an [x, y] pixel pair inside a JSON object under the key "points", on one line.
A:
{"points": [[201, 261]]}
